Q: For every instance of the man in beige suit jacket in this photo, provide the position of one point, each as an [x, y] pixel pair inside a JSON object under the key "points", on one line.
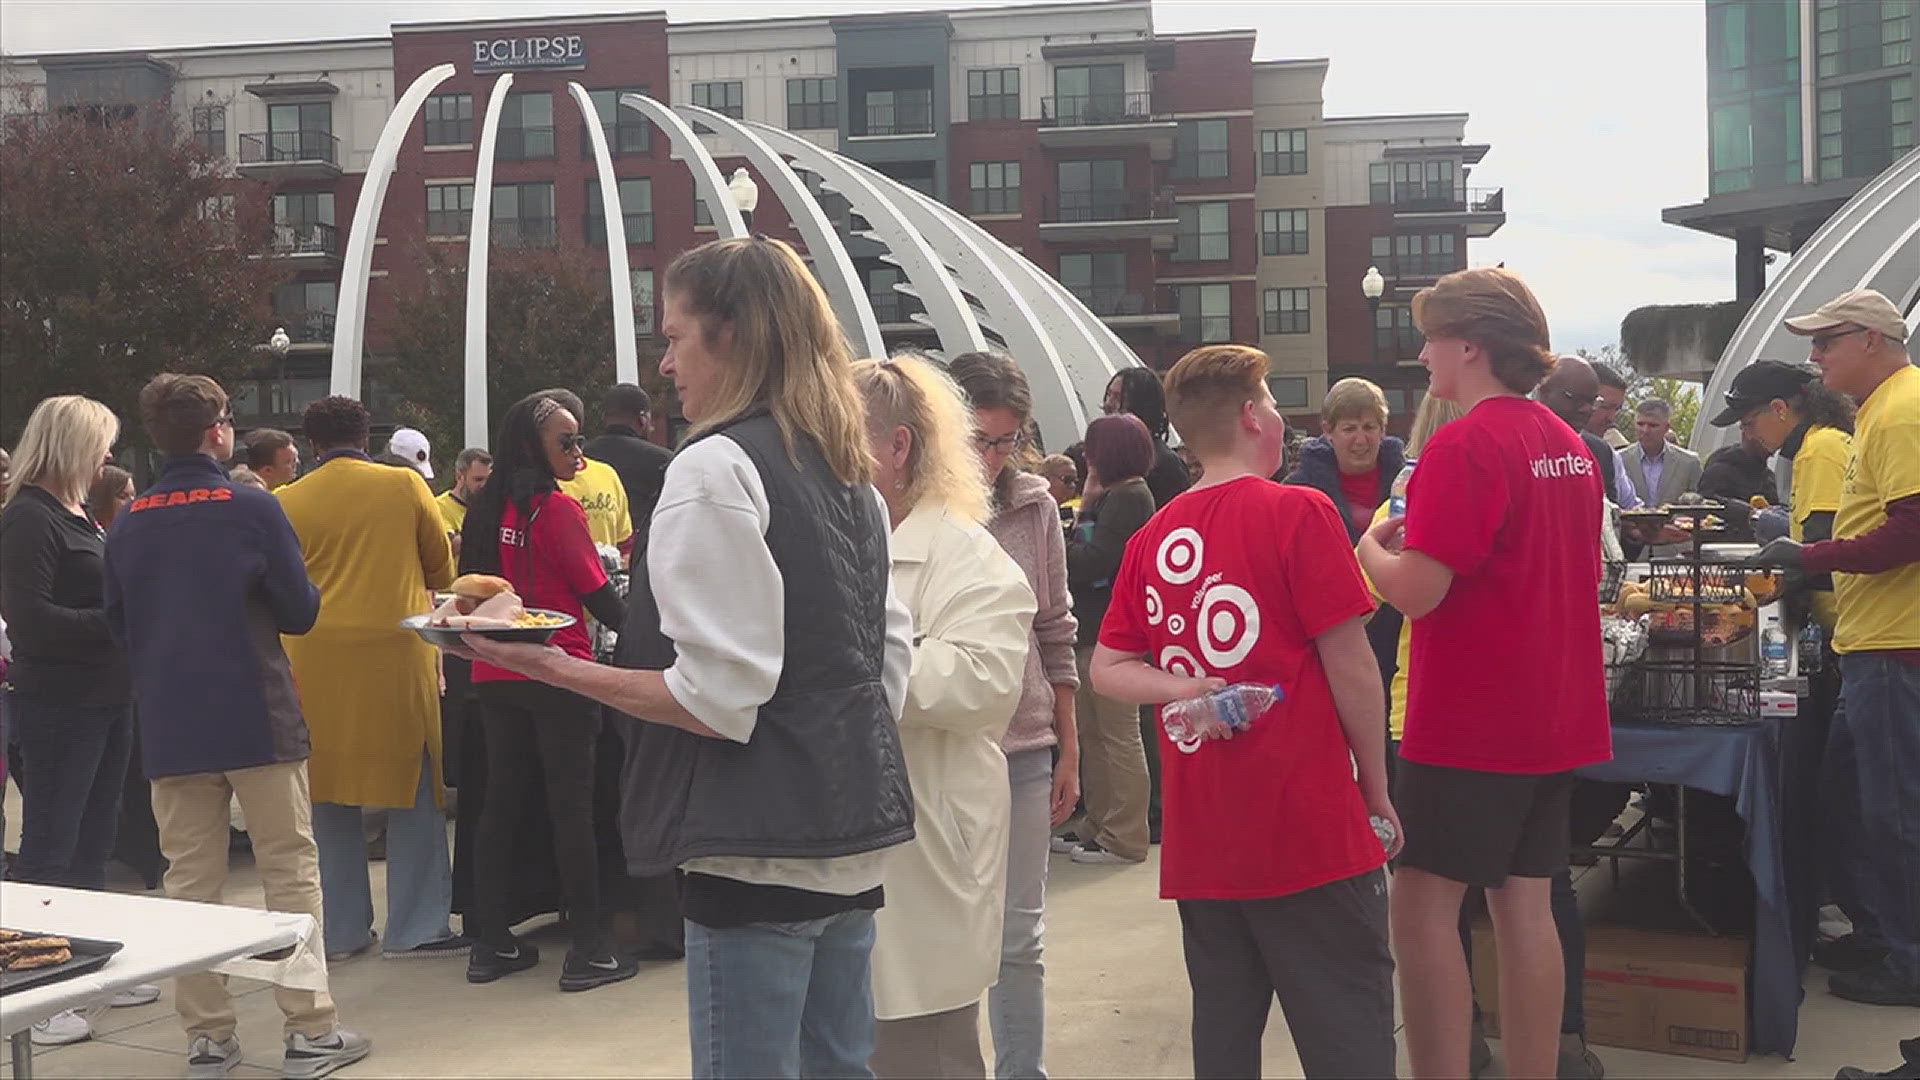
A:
{"points": [[1661, 471]]}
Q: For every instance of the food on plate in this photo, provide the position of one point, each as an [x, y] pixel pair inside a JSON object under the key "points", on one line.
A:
{"points": [[22, 952], [1758, 502], [485, 602], [33, 960]]}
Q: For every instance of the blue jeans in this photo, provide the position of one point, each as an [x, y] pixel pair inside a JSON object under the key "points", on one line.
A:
{"points": [[1017, 1004], [419, 875], [782, 999], [73, 768], [1876, 740]]}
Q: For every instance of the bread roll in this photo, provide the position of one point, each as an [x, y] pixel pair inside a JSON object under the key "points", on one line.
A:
{"points": [[479, 586]]}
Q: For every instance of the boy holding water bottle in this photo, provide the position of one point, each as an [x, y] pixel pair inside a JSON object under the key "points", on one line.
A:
{"points": [[1268, 849]]}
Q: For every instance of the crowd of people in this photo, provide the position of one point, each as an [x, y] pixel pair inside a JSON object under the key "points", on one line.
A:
{"points": [[848, 665]]}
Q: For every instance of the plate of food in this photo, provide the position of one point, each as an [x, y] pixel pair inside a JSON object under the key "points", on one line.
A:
{"points": [[486, 605], [31, 958]]}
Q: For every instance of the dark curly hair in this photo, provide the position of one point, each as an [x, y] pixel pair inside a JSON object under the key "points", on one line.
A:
{"points": [[520, 472], [333, 423], [1143, 395], [1817, 403]]}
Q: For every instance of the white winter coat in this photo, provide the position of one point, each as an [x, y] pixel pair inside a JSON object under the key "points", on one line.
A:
{"points": [[937, 945]]}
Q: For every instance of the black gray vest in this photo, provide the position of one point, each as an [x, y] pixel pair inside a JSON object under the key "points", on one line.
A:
{"points": [[823, 774]]}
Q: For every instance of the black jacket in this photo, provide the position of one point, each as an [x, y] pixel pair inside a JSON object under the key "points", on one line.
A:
{"points": [[1320, 469], [823, 774], [1734, 473], [1095, 548], [642, 466], [1169, 475], [53, 596]]}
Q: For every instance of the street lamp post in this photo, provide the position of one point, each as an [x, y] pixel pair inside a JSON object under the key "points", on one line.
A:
{"points": [[746, 194], [1372, 286]]}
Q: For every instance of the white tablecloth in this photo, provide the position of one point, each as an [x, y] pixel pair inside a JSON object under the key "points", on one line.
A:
{"points": [[163, 938]]}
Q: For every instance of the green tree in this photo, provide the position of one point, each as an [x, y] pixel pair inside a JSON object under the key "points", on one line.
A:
{"points": [[124, 251]]}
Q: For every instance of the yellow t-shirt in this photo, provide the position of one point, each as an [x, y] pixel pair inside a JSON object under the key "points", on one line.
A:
{"points": [[1880, 611], [601, 494], [1403, 652], [452, 511], [1819, 478]]}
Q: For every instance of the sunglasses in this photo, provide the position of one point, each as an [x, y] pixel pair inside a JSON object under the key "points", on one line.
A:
{"points": [[573, 444], [1821, 341], [1003, 444]]}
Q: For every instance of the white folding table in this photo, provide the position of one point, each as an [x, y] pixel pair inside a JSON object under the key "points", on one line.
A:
{"points": [[163, 938]]}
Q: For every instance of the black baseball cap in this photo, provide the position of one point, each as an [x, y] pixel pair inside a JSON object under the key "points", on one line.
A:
{"points": [[1760, 382]]}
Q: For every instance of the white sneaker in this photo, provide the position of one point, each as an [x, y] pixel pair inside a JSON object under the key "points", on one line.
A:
{"points": [[209, 1060], [134, 996], [309, 1057], [62, 1029], [1092, 854], [1063, 844]]}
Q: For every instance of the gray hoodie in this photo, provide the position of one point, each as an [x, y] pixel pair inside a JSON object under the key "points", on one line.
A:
{"points": [[1027, 524]]}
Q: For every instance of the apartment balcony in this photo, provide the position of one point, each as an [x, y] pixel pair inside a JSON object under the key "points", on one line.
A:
{"points": [[1078, 217], [289, 155], [1122, 308], [306, 243], [1095, 120], [307, 330], [1480, 211], [638, 225], [879, 119], [524, 232], [523, 144]]}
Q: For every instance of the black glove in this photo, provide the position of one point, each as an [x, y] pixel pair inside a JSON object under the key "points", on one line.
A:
{"points": [[1778, 552]]}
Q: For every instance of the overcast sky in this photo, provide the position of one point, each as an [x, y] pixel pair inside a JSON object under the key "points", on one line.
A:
{"points": [[1596, 112]]}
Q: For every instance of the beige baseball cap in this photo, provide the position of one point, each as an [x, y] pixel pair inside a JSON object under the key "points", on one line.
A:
{"points": [[1862, 307]]}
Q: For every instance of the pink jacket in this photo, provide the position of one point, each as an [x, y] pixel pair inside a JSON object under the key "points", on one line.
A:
{"points": [[1028, 528]]}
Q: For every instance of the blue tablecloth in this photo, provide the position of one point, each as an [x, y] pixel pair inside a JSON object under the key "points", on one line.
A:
{"points": [[1737, 761]]}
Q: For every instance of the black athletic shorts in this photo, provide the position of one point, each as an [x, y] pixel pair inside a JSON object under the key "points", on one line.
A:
{"points": [[1481, 827]]}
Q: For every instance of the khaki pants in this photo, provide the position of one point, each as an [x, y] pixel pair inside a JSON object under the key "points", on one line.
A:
{"points": [[193, 819], [1113, 770], [938, 1046]]}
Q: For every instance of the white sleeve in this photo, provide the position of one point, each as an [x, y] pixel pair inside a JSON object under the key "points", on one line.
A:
{"points": [[720, 594], [898, 661]]}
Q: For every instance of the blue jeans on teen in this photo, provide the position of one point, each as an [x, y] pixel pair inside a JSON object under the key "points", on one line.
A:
{"points": [[419, 874], [1017, 1004], [1876, 741], [786, 999], [1573, 950], [73, 767]]}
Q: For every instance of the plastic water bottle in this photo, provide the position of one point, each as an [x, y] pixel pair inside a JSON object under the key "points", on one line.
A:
{"points": [[1383, 829], [1775, 650], [1226, 711], [1397, 501], [1812, 644]]}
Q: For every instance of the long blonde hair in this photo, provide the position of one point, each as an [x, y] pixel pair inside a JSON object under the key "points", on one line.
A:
{"points": [[908, 391], [789, 356], [64, 445], [1434, 413]]}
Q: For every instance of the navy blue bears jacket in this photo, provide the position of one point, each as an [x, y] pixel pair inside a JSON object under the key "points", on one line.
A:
{"points": [[203, 576]]}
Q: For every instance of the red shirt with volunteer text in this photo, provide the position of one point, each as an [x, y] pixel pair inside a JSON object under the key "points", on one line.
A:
{"points": [[1506, 674], [1236, 580], [550, 558]]}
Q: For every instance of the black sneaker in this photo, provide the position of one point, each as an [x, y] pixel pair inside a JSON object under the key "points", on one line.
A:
{"points": [[1847, 953], [487, 963], [1877, 985], [581, 973], [445, 948]]}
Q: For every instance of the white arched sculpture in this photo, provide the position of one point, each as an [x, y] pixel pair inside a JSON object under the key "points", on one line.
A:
{"points": [[626, 350]]}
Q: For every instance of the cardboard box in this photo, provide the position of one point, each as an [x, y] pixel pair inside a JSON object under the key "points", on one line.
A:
{"points": [[1648, 990]]}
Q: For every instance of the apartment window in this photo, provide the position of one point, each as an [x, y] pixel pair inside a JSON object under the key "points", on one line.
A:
{"points": [[905, 111], [526, 127], [1379, 184], [995, 186], [449, 209], [1090, 93], [1288, 311], [1754, 142], [1416, 254], [1863, 35], [1284, 152], [1099, 280], [1394, 335], [298, 208], [1864, 126], [523, 214], [642, 301], [702, 217], [626, 131], [1200, 150], [813, 103], [210, 129], [449, 119], [888, 306], [306, 309], [301, 131], [1093, 190], [1283, 232], [1206, 313], [636, 210], [1289, 391], [725, 98], [1202, 235], [1753, 46], [993, 94]]}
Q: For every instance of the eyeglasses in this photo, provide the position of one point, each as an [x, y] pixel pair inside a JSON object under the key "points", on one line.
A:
{"points": [[1820, 342], [1005, 444], [573, 444]]}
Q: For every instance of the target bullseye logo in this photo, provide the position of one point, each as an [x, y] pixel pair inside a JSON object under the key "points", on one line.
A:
{"points": [[1229, 625], [1179, 557], [1154, 606], [1178, 661]]}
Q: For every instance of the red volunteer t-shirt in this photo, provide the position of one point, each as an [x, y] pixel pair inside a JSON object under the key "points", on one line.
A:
{"points": [[551, 560], [1506, 674], [1363, 496], [1236, 581]]}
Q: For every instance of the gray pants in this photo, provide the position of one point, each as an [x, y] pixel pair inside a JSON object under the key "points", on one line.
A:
{"points": [[939, 1046], [1017, 1004], [1323, 951]]}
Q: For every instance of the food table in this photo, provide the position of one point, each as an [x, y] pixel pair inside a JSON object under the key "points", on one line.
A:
{"points": [[1739, 761], [163, 938]]}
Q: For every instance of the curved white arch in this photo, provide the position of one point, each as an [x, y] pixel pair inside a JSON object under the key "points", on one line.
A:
{"points": [[708, 184], [1871, 242], [350, 322], [830, 262], [479, 243], [626, 350]]}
